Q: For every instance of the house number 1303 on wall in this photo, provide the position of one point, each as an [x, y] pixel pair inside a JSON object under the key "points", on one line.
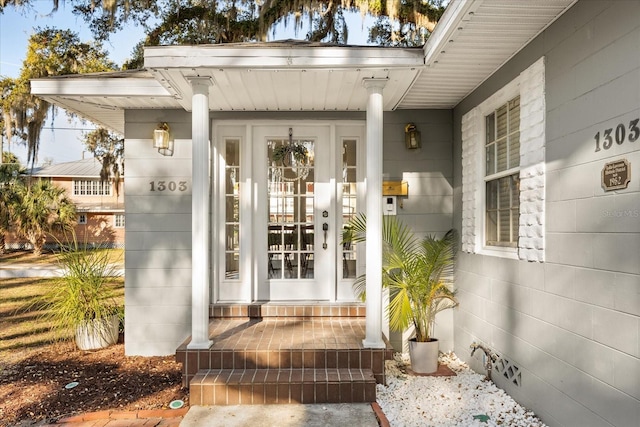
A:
{"points": [[168, 186], [619, 134]]}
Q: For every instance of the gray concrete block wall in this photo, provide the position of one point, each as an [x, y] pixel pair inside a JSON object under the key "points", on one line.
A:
{"points": [[571, 324], [428, 209], [158, 236]]}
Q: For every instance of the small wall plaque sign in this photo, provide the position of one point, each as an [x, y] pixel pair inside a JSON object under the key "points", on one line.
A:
{"points": [[616, 175]]}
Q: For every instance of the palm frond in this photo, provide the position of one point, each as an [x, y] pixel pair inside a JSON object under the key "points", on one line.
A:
{"points": [[418, 272]]}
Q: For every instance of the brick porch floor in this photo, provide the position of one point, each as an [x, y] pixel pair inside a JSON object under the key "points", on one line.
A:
{"points": [[284, 354]]}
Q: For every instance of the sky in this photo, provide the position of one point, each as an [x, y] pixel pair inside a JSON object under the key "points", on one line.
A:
{"points": [[61, 140]]}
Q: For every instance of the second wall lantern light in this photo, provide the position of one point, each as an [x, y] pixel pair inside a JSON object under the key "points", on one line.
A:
{"points": [[411, 136]]}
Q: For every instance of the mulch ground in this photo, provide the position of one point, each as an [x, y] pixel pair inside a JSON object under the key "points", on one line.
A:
{"points": [[32, 385]]}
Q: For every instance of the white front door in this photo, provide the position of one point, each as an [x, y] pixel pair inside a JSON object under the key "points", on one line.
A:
{"points": [[284, 214]]}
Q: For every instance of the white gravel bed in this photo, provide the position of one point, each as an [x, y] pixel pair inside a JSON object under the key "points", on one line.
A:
{"points": [[448, 401]]}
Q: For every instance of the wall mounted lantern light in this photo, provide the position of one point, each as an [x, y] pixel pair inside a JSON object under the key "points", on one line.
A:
{"points": [[162, 139], [411, 136]]}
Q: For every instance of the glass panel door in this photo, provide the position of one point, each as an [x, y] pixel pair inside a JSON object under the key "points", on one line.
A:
{"points": [[290, 201], [349, 205], [305, 180]]}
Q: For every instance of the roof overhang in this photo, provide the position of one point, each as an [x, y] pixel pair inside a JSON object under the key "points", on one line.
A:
{"points": [[104, 97], [473, 39]]}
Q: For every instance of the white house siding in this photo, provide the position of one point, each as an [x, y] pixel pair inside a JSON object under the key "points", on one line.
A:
{"points": [[571, 324], [428, 209], [158, 236]]}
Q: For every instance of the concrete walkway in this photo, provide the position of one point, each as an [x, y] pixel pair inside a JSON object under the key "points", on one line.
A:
{"points": [[12, 271], [294, 415]]}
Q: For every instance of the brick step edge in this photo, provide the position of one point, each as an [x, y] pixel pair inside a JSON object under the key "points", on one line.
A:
{"points": [[119, 415], [294, 311], [281, 376], [282, 386]]}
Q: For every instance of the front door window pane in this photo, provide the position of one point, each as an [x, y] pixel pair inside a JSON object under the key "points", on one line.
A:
{"points": [[290, 190]]}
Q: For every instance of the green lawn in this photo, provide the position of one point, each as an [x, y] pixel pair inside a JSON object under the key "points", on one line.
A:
{"points": [[21, 325]]}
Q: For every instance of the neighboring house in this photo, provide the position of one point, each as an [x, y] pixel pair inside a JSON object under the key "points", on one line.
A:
{"points": [[100, 208], [529, 117]]}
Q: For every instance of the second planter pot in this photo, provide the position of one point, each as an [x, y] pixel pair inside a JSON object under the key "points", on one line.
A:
{"points": [[424, 356]]}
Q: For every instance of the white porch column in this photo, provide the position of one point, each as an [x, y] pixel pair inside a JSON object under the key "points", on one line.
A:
{"points": [[200, 219], [373, 206]]}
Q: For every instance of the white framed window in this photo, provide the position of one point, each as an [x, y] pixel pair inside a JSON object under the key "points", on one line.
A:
{"points": [[82, 218], [502, 175], [91, 187], [503, 170], [118, 220]]}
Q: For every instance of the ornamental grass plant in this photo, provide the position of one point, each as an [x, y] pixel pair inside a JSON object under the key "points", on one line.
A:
{"points": [[84, 294]]}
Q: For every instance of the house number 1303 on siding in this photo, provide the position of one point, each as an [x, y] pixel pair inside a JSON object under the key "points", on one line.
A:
{"points": [[620, 134], [168, 186]]}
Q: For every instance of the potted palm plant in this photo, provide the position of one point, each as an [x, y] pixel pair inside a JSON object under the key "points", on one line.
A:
{"points": [[83, 301], [418, 273]]}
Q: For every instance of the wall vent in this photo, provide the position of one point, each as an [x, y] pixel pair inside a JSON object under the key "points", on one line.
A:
{"points": [[508, 370]]}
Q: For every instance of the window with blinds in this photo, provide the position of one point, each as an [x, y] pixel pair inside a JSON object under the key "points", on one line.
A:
{"points": [[502, 174]]}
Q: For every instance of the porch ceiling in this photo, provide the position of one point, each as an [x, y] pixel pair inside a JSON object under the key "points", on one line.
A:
{"points": [[292, 89], [471, 41]]}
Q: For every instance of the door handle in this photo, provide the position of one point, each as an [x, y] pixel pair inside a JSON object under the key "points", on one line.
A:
{"points": [[325, 228]]}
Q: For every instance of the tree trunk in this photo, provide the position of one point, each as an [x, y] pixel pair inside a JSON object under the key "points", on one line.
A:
{"points": [[38, 243]]}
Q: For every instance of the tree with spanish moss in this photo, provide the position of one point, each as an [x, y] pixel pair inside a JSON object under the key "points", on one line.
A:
{"points": [[50, 52], [108, 148], [10, 170], [399, 22]]}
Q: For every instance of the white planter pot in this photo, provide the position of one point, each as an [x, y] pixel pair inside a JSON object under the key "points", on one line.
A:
{"points": [[98, 333], [424, 356]]}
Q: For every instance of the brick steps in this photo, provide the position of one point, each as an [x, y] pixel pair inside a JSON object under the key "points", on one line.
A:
{"points": [[283, 353], [280, 386]]}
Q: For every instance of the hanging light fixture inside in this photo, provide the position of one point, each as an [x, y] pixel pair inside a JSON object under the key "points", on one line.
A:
{"points": [[292, 156]]}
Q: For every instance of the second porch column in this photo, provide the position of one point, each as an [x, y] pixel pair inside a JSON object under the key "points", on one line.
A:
{"points": [[200, 219], [373, 204]]}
